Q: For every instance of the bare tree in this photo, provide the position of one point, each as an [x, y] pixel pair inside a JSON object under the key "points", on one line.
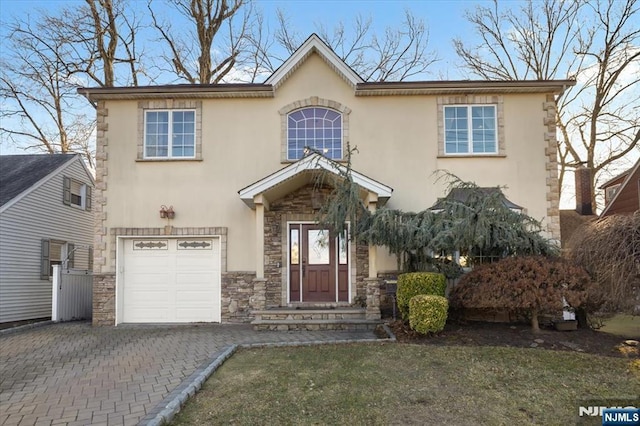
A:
{"points": [[46, 59], [606, 119], [102, 36], [597, 43], [38, 93], [532, 42], [213, 47], [399, 54]]}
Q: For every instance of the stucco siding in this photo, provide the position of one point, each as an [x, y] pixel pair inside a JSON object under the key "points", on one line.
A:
{"points": [[396, 136], [39, 215]]}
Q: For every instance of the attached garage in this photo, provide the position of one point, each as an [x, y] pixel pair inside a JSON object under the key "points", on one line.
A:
{"points": [[169, 280]]}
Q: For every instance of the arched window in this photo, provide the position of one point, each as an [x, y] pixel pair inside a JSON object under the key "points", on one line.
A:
{"points": [[315, 127]]}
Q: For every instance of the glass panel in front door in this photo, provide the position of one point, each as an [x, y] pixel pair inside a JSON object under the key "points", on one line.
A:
{"points": [[318, 241]]}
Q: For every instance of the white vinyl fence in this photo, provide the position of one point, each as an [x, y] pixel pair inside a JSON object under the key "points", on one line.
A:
{"points": [[72, 296]]}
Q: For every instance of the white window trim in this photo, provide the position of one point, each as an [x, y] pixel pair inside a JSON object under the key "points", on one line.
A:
{"points": [[470, 130], [342, 147], [170, 144]]}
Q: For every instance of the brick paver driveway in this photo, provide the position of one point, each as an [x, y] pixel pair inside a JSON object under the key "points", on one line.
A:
{"points": [[76, 374]]}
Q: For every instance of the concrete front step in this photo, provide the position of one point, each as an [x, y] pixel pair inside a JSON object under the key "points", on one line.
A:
{"points": [[314, 325], [286, 319], [310, 314]]}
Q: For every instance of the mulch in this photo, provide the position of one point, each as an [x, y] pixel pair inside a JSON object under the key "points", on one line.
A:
{"points": [[474, 333]]}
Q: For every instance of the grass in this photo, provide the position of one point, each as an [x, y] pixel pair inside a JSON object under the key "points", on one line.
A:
{"points": [[623, 325], [377, 384]]}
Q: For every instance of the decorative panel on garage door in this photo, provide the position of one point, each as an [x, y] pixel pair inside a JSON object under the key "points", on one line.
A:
{"points": [[150, 245]]}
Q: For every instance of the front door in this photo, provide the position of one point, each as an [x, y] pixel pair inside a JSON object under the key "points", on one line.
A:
{"points": [[318, 265]]}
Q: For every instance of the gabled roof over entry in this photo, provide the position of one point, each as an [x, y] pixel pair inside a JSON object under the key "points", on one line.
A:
{"points": [[314, 45], [302, 169]]}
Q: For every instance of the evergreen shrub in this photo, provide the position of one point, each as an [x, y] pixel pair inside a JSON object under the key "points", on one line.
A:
{"points": [[415, 283], [428, 313]]}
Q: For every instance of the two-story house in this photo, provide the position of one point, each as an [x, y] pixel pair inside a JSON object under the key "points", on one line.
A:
{"points": [[205, 203]]}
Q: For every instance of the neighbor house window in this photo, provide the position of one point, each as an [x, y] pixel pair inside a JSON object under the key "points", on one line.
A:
{"points": [[169, 133], [611, 192], [470, 129], [55, 252], [317, 128], [76, 193]]}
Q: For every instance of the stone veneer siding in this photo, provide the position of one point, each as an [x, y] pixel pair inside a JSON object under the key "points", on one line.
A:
{"points": [[299, 206], [553, 185], [362, 271], [237, 295], [104, 299]]}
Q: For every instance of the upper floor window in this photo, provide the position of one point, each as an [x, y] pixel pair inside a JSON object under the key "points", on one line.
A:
{"points": [[470, 129], [317, 128], [169, 134], [76, 193]]}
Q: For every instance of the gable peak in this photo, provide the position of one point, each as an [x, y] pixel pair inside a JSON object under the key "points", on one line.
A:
{"points": [[314, 44]]}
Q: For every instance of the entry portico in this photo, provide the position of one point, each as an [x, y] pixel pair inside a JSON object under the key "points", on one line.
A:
{"points": [[292, 251]]}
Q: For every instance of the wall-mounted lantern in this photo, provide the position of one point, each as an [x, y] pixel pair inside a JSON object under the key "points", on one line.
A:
{"points": [[167, 212]]}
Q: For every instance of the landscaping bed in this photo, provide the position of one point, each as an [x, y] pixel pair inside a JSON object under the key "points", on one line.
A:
{"points": [[515, 335]]}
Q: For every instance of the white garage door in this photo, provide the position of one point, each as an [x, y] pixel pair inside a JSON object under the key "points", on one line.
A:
{"points": [[171, 280]]}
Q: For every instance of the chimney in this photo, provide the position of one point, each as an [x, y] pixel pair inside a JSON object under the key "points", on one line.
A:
{"points": [[583, 191]]}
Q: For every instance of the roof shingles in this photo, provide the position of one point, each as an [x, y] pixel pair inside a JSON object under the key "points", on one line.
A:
{"points": [[20, 172]]}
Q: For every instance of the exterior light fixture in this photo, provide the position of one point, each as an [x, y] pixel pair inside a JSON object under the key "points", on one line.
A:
{"points": [[167, 212]]}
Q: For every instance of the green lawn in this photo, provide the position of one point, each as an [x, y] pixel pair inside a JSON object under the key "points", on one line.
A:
{"points": [[406, 384], [623, 325]]}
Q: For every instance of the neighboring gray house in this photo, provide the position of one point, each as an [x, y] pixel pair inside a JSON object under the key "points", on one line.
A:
{"points": [[45, 219]]}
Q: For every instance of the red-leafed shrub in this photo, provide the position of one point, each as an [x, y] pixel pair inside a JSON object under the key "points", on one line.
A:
{"points": [[530, 284]]}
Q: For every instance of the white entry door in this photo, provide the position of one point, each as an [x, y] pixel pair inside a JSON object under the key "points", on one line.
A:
{"points": [[171, 280]]}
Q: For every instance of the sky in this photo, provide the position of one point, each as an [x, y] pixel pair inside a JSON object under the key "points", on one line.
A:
{"points": [[444, 18]]}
